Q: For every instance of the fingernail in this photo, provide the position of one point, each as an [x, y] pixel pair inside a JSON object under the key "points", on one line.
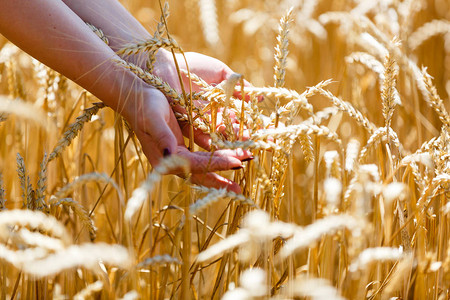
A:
{"points": [[166, 152], [237, 168], [248, 158]]}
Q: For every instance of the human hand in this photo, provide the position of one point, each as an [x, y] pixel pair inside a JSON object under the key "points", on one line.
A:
{"points": [[156, 127], [210, 70]]}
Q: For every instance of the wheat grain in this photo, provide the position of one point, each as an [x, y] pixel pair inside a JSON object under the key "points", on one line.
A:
{"points": [[376, 138], [19, 258], [431, 189], [131, 295], [333, 190]]}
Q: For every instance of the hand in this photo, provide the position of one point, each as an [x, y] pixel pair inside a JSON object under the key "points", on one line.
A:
{"points": [[159, 133], [157, 129]]}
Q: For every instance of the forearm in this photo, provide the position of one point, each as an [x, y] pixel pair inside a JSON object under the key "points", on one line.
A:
{"points": [[118, 25], [52, 33]]}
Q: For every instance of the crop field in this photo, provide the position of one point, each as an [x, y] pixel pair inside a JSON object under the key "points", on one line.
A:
{"points": [[346, 197]]}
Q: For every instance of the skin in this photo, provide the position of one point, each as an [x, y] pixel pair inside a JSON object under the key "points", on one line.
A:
{"points": [[54, 32]]}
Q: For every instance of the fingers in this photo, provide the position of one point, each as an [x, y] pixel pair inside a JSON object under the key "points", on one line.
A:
{"points": [[213, 180], [220, 160]]}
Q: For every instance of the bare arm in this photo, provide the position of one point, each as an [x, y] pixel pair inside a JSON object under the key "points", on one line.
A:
{"points": [[56, 35], [52, 33]]}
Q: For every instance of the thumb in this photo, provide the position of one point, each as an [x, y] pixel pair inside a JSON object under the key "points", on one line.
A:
{"points": [[163, 137]]}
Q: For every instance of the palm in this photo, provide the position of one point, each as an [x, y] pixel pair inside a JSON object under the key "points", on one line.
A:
{"points": [[155, 111]]}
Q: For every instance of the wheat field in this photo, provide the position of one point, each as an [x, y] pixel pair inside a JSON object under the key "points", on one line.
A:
{"points": [[346, 197]]}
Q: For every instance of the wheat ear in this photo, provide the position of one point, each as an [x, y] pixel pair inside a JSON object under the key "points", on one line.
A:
{"points": [[87, 292], [86, 255], [434, 100], [2, 194], [99, 33], [25, 184], [388, 92], [158, 260], [147, 45], [42, 184], [350, 110], [74, 129], [160, 28], [427, 31], [281, 49], [215, 195], [25, 110], [34, 220], [80, 211], [140, 194], [209, 22], [82, 180]]}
